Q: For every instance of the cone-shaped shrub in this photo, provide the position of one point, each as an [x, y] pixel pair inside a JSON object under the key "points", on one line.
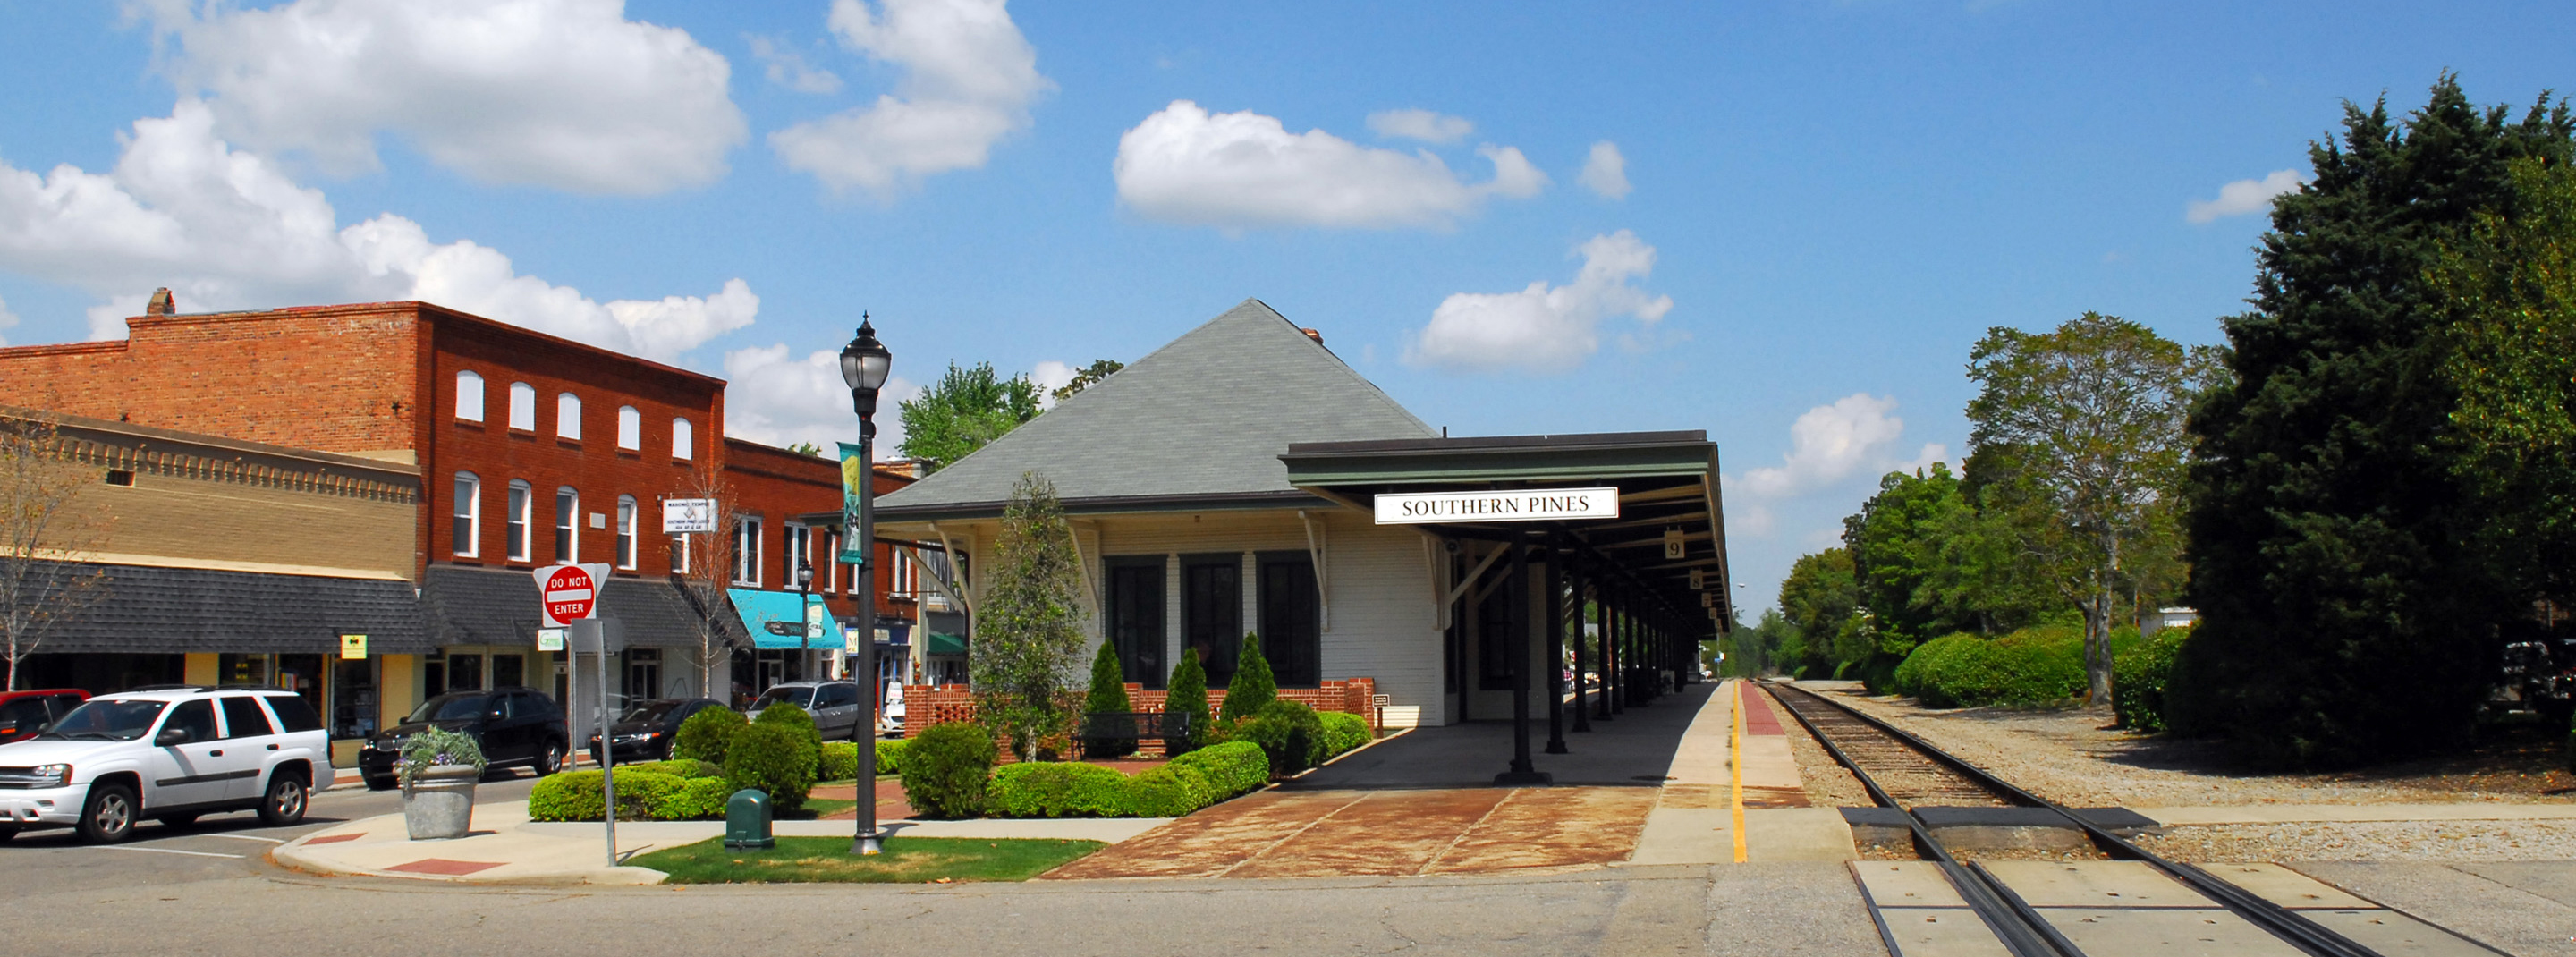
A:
{"points": [[1108, 694], [1253, 687], [1188, 696]]}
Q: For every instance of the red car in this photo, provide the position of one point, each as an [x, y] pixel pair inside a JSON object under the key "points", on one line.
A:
{"points": [[23, 713]]}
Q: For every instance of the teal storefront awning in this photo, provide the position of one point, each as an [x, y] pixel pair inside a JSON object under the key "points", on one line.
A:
{"points": [[944, 644], [775, 621]]}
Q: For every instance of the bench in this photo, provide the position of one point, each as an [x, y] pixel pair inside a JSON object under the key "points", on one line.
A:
{"points": [[1103, 732]]}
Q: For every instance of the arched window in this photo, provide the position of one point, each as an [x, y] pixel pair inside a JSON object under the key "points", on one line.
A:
{"points": [[630, 429], [626, 531], [469, 514], [523, 406], [516, 522], [567, 524], [680, 438], [469, 397], [568, 416]]}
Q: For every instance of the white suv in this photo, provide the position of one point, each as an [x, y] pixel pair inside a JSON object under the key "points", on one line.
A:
{"points": [[166, 753]]}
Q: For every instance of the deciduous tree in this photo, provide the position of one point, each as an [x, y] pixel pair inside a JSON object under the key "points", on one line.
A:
{"points": [[968, 408], [47, 532], [1028, 639]]}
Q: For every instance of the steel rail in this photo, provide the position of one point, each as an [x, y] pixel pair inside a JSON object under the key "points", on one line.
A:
{"points": [[2279, 921]]}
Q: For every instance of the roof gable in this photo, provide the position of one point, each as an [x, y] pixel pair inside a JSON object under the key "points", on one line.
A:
{"points": [[1208, 414]]}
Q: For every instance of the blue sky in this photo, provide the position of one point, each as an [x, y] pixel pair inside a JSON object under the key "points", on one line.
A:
{"points": [[1819, 205]]}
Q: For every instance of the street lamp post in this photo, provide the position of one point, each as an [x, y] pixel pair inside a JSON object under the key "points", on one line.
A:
{"points": [[864, 363], [805, 612]]}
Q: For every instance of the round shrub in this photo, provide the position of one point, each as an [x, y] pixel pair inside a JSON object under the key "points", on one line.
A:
{"points": [[1343, 731], [945, 769], [774, 758], [889, 758], [2138, 679], [1288, 733], [1232, 768], [642, 794], [840, 761], [706, 734], [801, 722], [567, 796]]}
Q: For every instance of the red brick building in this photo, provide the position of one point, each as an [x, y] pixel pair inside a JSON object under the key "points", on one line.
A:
{"points": [[531, 449]]}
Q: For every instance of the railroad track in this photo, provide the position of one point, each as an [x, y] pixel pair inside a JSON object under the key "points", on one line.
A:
{"points": [[1904, 772]]}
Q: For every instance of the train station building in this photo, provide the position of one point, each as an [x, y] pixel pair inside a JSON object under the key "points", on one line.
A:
{"points": [[1244, 479]]}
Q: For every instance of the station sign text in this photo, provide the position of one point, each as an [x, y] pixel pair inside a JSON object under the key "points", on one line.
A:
{"points": [[1519, 505]]}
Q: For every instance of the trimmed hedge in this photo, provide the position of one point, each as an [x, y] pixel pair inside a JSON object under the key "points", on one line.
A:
{"points": [[1343, 731], [1231, 768], [839, 761], [1167, 791], [773, 757], [1056, 790], [706, 734], [2038, 665], [945, 769], [889, 758], [2139, 676], [645, 792], [1288, 732]]}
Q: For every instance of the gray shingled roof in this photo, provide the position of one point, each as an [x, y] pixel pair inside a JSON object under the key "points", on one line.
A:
{"points": [[480, 606], [1205, 416], [150, 609]]}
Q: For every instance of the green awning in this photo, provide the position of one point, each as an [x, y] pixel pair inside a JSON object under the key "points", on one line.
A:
{"points": [[942, 644]]}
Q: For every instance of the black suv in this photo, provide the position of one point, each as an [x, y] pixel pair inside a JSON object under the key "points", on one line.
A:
{"points": [[515, 726]]}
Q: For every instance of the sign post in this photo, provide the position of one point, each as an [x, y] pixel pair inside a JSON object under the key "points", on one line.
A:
{"points": [[568, 598]]}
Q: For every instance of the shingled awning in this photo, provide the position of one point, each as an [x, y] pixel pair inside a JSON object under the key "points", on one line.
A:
{"points": [[482, 606], [157, 610]]}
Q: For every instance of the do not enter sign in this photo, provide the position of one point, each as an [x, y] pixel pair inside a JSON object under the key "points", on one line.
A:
{"points": [[568, 593]]}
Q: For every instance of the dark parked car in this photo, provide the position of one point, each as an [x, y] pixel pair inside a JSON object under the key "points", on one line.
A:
{"points": [[834, 705], [645, 731], [23, 713], [515, 726]]}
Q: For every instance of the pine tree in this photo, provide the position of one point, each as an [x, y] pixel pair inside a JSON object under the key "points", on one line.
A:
{"points": [[2349, 609], [1252, 687], [1108, 695], [1188, 697]]}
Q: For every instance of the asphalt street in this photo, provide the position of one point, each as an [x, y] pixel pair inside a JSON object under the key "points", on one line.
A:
{"points": [[216, 847]]}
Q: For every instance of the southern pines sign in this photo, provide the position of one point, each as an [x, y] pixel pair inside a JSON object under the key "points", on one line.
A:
{"points": [[1521, 505]]}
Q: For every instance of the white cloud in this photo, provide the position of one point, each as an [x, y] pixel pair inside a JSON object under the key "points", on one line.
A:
{"points": [[1542, 328], [1605, 172], [788, 68], [1049, 376], [1242, 170], [226, 229], [562, 93], [776, 398], [969, 77], [1417, 124], [1831, 443], [2244, 196]]}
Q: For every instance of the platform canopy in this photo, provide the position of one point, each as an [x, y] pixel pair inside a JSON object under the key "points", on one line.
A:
{"points": [[1666, 489]]}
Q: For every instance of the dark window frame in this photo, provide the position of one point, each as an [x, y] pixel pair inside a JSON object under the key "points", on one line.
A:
{"points": [[1140, 649], [1216, 629], [1284, 591]]}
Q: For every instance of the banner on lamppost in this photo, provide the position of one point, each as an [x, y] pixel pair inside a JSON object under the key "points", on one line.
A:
{"points": [[854, 478]]}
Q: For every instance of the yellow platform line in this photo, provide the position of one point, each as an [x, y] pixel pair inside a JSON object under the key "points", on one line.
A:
{"points": [[1735, 762]]}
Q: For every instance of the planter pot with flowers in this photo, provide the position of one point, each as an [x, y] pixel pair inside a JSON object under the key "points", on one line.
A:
{"points": [[439, 768]]}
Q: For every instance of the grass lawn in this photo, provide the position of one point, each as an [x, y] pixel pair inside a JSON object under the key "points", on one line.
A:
{"points": [[907, 860]]}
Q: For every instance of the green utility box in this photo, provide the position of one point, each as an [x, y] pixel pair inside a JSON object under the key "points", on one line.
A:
{"points": [[747, 821]]}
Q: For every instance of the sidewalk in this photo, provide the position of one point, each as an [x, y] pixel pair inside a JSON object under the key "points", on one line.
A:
{"points": [[507, 848]]}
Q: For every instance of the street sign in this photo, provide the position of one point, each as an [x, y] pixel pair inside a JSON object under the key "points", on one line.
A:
{"points": [[550, 639], [681, 516], [353, 647], [568, 593]]}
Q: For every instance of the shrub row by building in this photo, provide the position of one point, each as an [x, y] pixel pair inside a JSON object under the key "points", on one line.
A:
{"points": [[675, 790]]}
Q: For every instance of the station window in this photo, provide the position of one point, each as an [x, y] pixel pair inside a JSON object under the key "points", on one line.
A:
{"points": [[516, 522], [568, 416], [626, 531], [681, 440], [630, 429], [469, 396], [523, 406], [469, 514], [1291, 636], [1135, 618], [567, 524], [1212, 612]]}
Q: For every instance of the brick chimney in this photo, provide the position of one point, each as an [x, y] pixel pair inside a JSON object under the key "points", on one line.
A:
{"points": [[162, 304], [1310, 333]]}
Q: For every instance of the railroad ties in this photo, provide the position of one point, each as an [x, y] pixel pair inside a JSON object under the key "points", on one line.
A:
{"points": [[2004, 872]]}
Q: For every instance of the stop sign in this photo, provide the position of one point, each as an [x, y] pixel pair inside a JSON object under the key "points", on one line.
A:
{"points": [[569, 594]]}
